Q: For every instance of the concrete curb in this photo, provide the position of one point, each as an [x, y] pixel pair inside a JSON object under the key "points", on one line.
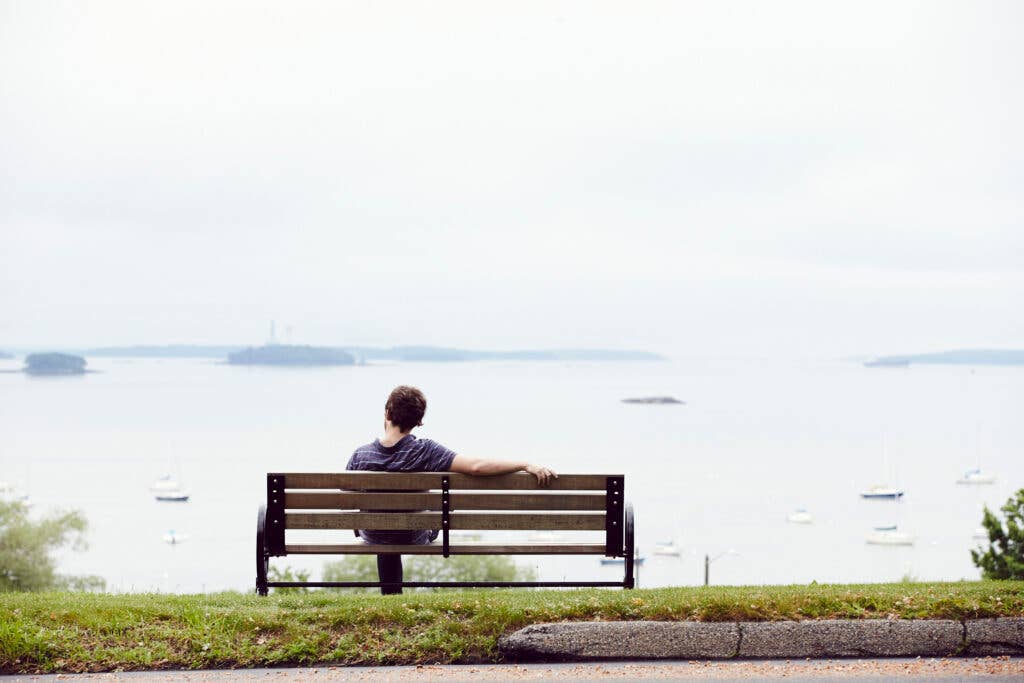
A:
{"points": [[603, 640]]}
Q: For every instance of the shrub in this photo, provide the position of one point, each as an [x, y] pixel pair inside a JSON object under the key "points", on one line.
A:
{"points": [[426, 568], [1004, 558], [25, 546]]}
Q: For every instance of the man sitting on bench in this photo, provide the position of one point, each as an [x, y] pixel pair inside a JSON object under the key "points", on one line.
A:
{"points": [[398, 450]]}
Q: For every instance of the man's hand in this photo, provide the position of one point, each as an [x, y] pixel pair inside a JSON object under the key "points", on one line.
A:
{"points": [[543, 474]]}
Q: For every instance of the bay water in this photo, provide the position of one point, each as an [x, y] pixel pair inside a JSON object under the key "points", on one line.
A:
{"points": [[755, 440]]}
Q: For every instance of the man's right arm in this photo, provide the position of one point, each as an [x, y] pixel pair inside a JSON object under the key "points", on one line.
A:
{"points": [[481, 467]]}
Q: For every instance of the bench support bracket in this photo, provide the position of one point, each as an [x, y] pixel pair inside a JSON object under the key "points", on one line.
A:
{"points": [[275, 515], [614, 499], [446, 505]]}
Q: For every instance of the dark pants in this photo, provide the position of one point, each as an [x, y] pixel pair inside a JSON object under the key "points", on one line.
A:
{"points": [[389, 569]]}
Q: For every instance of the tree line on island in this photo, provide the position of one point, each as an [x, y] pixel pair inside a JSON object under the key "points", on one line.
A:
{"points": [[54, 364], [393, 353]]}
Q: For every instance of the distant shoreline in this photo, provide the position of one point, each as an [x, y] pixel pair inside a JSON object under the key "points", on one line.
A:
{"points": [[954, 357], [369, 353]]}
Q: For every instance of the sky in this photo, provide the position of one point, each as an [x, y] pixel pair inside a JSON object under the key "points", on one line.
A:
{"points": [[716, 178]]}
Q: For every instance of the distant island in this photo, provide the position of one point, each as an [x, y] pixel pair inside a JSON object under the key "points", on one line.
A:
{"points": [[394, 353], [6, 356], [892, 362], [955, 357], [54, 364], [654, 400], [281, 354]]}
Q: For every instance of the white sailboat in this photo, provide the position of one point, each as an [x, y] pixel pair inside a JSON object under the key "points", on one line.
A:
{"points": [[169, 489], [667, 548], [800, 516], [975, 477], [883, 491], [889, 535]]}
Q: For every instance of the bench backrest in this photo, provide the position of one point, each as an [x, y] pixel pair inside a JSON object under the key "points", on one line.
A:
{"points": [[444, 501]]}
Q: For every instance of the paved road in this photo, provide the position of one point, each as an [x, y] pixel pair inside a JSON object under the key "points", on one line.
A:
{"points": [[980, 668]]}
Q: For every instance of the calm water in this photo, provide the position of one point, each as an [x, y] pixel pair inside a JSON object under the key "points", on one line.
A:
{"points": [[756, 439]]}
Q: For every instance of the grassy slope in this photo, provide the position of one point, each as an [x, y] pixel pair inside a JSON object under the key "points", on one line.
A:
{"points": [[89, 632]]}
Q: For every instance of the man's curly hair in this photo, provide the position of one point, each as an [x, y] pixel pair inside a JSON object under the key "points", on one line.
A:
{"points": [[405, 407]]}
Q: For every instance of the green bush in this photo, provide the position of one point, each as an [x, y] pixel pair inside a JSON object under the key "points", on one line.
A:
{"points": [[1004, 558], [288, 574], [431, 568], [25, 547]]}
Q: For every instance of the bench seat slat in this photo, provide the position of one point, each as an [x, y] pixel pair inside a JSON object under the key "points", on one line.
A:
{"points": [[432, 501], [432, 520], [460, 549], [414, 481]]}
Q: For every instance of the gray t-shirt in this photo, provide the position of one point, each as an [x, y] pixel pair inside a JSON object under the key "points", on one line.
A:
{"points": [[408, 455]]}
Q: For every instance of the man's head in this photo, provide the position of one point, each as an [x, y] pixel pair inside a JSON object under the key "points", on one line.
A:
{"points": [[405, 407]]}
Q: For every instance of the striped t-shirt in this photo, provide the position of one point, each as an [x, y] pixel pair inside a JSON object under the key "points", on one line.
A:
{"points": [[408, 455]]}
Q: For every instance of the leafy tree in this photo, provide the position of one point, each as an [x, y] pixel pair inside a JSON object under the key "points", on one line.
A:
{"points": [[427, 568], [25, 547], [1004, 558], [288, 574]]}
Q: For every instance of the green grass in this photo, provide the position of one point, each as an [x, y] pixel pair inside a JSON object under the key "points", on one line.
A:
{"points": [[73, 632]]}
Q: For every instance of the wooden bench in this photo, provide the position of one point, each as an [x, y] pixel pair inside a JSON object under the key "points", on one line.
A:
{"points": [[445, 501]]}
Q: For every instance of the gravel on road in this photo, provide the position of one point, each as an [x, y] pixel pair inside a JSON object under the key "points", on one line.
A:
{"points": [[982, 668]]}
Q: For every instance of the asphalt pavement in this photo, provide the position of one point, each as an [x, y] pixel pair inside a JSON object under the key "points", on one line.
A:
{"points": [[995, 669]]}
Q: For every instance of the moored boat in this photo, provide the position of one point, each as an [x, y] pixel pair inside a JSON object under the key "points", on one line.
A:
{"points": [[800, 516], [975, 477], [881, 492], [889, 535], [667, 548]]}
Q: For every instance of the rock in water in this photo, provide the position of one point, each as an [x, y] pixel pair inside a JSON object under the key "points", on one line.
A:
{"points": [[654, 400]]}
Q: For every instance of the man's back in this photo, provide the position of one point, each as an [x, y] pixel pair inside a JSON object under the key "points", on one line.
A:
{"points": [[409, 454]]}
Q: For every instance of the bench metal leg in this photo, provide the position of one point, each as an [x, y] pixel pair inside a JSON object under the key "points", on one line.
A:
{"points": [[262, 559], [628, 548]]}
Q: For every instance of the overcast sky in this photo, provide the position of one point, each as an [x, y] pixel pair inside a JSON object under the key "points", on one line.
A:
{"points": [[691, 178]]}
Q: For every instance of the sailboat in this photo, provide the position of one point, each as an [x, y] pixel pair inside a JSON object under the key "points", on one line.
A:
{"points": [[668, 548], [976, 476], [883, 491], [889, 535], [168, 489], [800, 516]]}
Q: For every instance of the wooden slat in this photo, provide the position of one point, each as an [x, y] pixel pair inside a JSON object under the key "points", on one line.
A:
{"points": [[414, 481], [432, 520], [435, 549], [432, 501]]}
